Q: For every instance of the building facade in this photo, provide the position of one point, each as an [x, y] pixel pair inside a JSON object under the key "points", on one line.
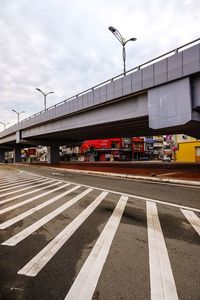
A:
{"points": [[188, 151]]}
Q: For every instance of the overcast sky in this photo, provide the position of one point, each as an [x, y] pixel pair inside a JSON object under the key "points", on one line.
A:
{"points": [[65, 46]]}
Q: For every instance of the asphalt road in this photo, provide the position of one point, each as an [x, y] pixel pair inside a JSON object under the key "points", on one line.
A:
{"points": [[70, 236]]}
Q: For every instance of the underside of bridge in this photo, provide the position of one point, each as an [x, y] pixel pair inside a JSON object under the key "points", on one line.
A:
{"points": [[126, 128]]}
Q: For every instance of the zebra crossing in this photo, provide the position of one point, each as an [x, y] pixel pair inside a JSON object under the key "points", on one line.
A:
{"points": [[59, 196]]}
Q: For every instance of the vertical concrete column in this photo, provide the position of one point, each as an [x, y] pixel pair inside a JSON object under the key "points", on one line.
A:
{"points": [[2, 155], [17, 154], [53, 154]]}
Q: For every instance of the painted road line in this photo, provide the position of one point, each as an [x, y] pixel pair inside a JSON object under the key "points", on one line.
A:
{"points": [[36, 208], [9, 208], [13, 178], [21, 175], [43, 257], [16, 177], [14, 186], [161, 277], [193, 219], [31, 192], [16, 181], [58, 174], [29, 173], [87, 279], [32, 228], [139, 197], [23, 189]]}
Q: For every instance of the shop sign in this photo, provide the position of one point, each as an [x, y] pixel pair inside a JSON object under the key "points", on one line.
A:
{"points": [[138, 147]]}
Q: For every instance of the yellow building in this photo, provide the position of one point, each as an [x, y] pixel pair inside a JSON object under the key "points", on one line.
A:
{"points": [[188, 151]]}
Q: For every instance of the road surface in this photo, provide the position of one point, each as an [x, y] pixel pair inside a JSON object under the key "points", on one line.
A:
{"points": [[71, 236]]}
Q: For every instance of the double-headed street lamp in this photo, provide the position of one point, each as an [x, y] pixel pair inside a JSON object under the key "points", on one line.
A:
{"points": [[4, 124], [18, 113], [45, 97], [123, 41]]}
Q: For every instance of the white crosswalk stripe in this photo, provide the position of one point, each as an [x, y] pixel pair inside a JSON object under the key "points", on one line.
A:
{"points": [[14, 182], [18, 178], [24, 189], [193, 219], [40, 260], [161, 277], [29, 230], [55, 182], [162, 281], [2, 211], [86, 281], [34, 209], [19, 175], [21, 184]]}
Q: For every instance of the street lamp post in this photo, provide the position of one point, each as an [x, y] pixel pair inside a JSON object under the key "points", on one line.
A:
{"points": [[45, 97], [123, 41], [18, 113], [4, 124]]}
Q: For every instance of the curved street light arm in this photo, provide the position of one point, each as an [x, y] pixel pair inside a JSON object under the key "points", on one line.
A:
{"points": [[117, 34], [43, 93], [15, 111], [131, 39], [21, 112], [49, 93]]}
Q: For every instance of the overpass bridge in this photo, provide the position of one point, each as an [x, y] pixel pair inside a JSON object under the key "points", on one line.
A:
{"points": [[161, 96]]}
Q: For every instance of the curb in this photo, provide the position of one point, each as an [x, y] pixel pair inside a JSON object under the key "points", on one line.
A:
{"points": [[137, 177]]}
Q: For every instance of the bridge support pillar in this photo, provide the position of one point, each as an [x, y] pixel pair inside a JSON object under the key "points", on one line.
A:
{"points": [[53, 154], [2, 155], [17, 154]]}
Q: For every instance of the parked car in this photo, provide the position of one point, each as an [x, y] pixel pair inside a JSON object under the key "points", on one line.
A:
{"points": [[166, 158], [144, 158]]}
